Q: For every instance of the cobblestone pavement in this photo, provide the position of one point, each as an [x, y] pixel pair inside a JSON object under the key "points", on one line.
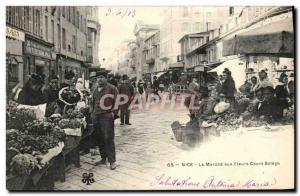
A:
{"points": [[148, 158], [142, 150]]}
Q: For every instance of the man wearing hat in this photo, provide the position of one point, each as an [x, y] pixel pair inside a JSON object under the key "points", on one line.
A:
{"points": [[32, 93], [112, 80], [267, 107], [92, 81], [104, 112], [126, 88]]}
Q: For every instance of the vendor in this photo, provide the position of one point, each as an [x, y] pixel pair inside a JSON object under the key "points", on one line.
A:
{"points": [[70, 79], [104, 113], [254, 86], [268, 107], [255, 104], [32, 93], [80, 84], [51, 96], [246, 88], [206, 105], [193, 86], [219, 83], [282, 94], [263, 79], [228, 87]]}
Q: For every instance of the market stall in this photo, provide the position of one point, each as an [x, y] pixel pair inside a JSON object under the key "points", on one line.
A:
{"points": [[222, 119], [39, 148]]}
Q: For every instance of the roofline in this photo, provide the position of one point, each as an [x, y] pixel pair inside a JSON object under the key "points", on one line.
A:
{"points": [[152, 35], [200, 34]]}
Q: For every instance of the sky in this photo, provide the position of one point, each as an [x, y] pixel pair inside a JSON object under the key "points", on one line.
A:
{"points": [[117, 25]]}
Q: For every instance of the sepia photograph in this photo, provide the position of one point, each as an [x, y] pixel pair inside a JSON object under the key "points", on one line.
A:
{"points": [[150, 98]]}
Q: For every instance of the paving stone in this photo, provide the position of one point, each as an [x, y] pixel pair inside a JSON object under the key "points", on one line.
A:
{"points": [[142, 150]]}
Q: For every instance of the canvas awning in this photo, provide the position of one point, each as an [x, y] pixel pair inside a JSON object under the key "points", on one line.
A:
{"points": [[176, 65], [133, 76], [159, 74], [237, 69], [276, 38]]}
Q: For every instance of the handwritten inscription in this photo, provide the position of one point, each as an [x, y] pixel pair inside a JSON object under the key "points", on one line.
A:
{"points": [[121, 12], [210, 182]]}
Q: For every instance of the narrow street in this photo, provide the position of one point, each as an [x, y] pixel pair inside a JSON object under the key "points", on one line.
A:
{"points": [[142, 149], [147, 151], [212, 90]]}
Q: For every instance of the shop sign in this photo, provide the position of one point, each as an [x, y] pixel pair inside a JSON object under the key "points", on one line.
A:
{"points": [[199, 68], [37, 49], [40, 62], [15, 34]]}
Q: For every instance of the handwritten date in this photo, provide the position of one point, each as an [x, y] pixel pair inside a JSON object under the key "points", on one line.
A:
{"points": [[121, 12]]}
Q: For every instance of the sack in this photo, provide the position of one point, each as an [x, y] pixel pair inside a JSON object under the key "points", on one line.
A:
{"points": [[221, 107]]}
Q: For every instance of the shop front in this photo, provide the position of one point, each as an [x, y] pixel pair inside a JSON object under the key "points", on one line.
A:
{"points": [[40, 57], [68, 64], [14, 58], [273, 65], [269, 47]]}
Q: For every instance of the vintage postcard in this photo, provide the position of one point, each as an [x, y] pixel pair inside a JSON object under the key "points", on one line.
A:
{"points": [[150, 98]]}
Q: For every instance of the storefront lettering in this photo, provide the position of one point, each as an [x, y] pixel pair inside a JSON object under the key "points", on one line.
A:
{"points": [[13, 33], [37, 50]]}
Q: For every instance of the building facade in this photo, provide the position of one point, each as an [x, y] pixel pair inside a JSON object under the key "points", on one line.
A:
{"points": [[122, 60], [53, 41], [142, 32], [72, 52], [151, 53], [188, 44], [260, 37], [93, 36], [179, 21]]}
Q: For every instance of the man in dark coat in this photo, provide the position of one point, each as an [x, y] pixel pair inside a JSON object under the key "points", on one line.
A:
{"points": [[112, 80], [125, 88], [104, 112], [141, 86], [268, 107], [155, 86]]}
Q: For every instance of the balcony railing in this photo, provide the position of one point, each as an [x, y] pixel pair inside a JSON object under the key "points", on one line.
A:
{"points": [[145, 48], [150, 61]]}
